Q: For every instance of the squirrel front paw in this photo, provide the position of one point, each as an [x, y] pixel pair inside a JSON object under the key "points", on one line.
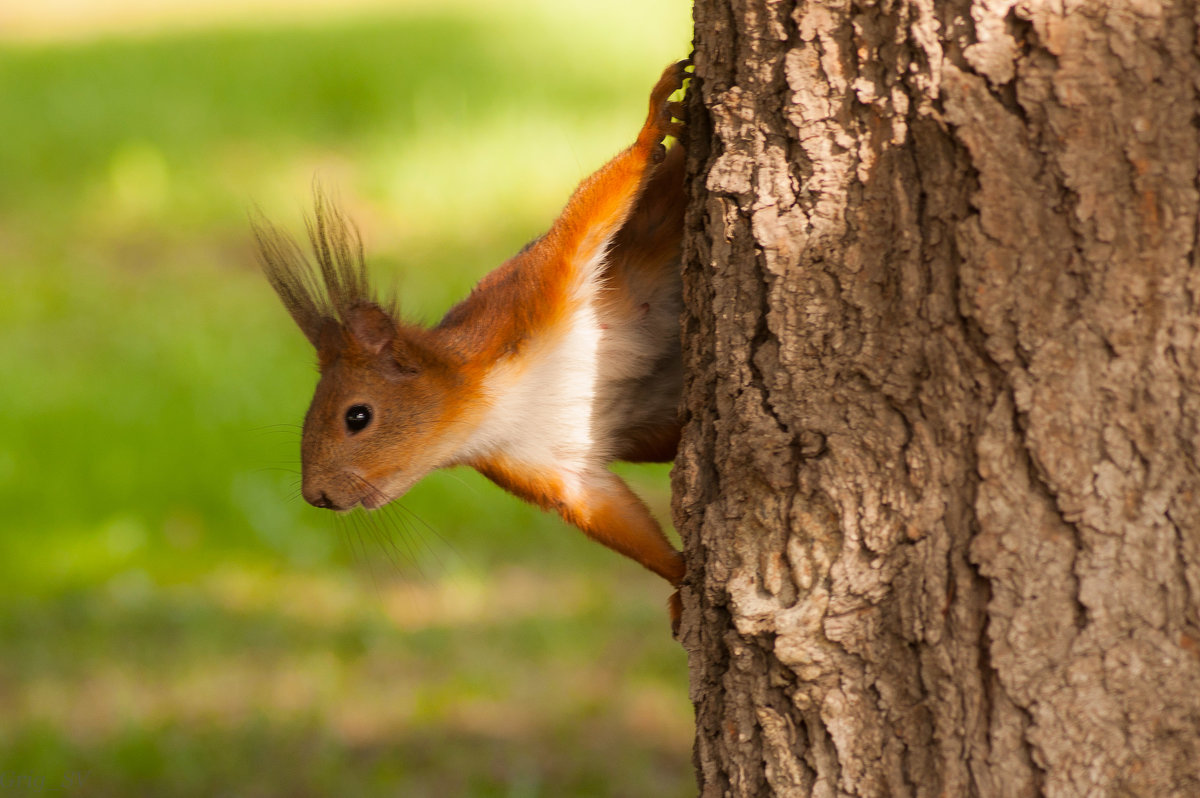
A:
{"points": [[661, 121]]}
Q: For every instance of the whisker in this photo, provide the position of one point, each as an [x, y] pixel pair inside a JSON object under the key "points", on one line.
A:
{"points": [[454, 476], [344, 538], [423, 541], [432, 530], [352, 534], [367, 516], [387, 544], [394, 528], [407, 538], [357, 520]]}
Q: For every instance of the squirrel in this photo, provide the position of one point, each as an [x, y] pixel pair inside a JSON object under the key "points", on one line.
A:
{"points": [[562, 360]]}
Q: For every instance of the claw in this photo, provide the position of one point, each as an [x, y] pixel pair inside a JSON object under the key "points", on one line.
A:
{"points": [[675, 609], [659, 124]]}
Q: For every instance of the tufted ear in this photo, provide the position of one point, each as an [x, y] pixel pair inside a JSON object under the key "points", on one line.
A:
{"points": [[332, 289], [292, 278], [371, 327]]}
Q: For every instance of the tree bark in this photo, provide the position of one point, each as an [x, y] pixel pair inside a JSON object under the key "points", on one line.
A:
{"points": [[939, 484]]}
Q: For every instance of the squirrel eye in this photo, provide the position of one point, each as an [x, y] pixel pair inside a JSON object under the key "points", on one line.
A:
{"points": [[358, 417]]}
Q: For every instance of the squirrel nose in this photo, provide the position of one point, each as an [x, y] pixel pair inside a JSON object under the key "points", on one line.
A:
{"points": [[323, 501]]}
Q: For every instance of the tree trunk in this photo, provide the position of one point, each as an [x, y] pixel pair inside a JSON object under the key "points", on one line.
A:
{"points": [[939, 484]]}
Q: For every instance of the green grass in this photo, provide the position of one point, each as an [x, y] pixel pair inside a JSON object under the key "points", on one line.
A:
{"points": [[173, 620]]}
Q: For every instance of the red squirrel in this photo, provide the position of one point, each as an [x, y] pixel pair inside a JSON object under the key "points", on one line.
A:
{"points": [[559, 362]]}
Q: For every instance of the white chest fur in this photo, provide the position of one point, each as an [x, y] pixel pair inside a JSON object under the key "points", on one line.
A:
{"points": [[541, 404]]}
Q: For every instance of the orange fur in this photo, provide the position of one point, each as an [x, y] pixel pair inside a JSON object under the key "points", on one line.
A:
{"points": [[560, 361]]}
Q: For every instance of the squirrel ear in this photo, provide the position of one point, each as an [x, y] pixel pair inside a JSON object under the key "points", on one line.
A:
{"points": [[328, 340], [371, 327]]}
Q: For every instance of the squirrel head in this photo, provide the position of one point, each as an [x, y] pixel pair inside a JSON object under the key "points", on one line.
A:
{"points": [[388, 391]]}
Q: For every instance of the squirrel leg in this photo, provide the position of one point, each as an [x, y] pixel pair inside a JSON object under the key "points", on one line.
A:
{"points": [[601, 505], [659, 123], [606, 510], [615, 516], [603, 202], [612, 514]]}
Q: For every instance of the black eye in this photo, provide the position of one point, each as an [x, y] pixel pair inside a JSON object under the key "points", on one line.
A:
{"points": [[358, 417]]}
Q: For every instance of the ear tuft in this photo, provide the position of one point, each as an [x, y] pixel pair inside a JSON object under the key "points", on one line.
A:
{"points": [[371, 327], [332, 288]]}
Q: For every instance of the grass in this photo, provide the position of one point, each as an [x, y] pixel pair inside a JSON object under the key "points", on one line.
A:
{"points": [[174, 621]]}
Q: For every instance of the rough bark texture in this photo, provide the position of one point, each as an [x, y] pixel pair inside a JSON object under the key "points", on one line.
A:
{"points": [[939, 485]]}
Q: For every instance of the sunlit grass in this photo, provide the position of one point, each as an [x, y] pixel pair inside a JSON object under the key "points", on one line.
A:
{"points": [[173, 620]]}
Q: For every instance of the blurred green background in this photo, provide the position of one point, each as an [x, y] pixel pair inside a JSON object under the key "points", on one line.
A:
{"points": [[174, 621]]}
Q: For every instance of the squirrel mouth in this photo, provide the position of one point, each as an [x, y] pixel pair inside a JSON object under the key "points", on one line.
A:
{"points": [[373, 501], [378, 493], [373, 495]]}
